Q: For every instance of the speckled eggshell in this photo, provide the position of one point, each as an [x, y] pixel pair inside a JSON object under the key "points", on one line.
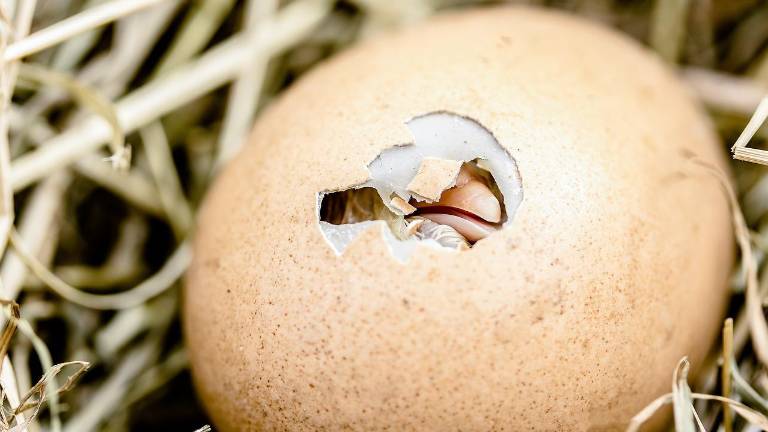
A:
{"points": [[573, 317]]}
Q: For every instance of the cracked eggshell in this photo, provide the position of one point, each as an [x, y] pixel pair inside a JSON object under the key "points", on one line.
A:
{"points": [[571, 317], [433, 177]]}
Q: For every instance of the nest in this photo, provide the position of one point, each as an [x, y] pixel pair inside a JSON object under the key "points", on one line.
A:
{"points": [[116, 115]]}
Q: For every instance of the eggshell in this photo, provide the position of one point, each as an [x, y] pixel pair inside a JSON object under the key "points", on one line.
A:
{"points": [[571, 317]]}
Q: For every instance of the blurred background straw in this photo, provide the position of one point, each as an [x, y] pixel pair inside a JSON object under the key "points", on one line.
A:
{"points": [[115, 115]]}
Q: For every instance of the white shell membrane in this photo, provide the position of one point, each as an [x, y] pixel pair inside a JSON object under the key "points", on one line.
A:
{"points": [[441, 135]]}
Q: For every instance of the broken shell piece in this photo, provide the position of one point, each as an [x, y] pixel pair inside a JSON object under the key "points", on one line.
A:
{"points": [[412, 226], [483, 165], [402, 205], [471, 195], [434, 176]]}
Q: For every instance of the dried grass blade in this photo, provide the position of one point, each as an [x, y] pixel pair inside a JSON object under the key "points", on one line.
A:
{"points": [[740, 149], [10, 327], [40, 388], [7, 375], [173, 90], [40, 218], [668, 27], [749, 414], [8, 72], [195, 32], [745, 390], [245, 92], [760, 70], [89, 98], [757, 322], [174, 203], [646, 413], [724, 92], [682, 403], [73, 49], [151, 287], [133, 186], [44, 355], [158, 376], [725, 373], [9, 390], [72, 26], [109, 394]]}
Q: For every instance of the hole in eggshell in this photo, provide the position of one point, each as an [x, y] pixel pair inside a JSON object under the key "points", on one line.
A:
{"points": [[467, 209], [452, 187]]}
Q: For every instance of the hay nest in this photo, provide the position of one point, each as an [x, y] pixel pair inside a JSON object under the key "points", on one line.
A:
{"points": [[116, 114]]}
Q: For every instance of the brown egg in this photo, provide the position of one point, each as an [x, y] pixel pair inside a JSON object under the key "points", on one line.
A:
{"points": [[335, 287]]}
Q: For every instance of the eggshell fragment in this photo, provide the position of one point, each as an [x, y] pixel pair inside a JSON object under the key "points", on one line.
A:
{"points": [[434, 176], [402, 205]]}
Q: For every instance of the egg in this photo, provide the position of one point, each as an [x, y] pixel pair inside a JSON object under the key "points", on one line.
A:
{"points": [[499, 219]]}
